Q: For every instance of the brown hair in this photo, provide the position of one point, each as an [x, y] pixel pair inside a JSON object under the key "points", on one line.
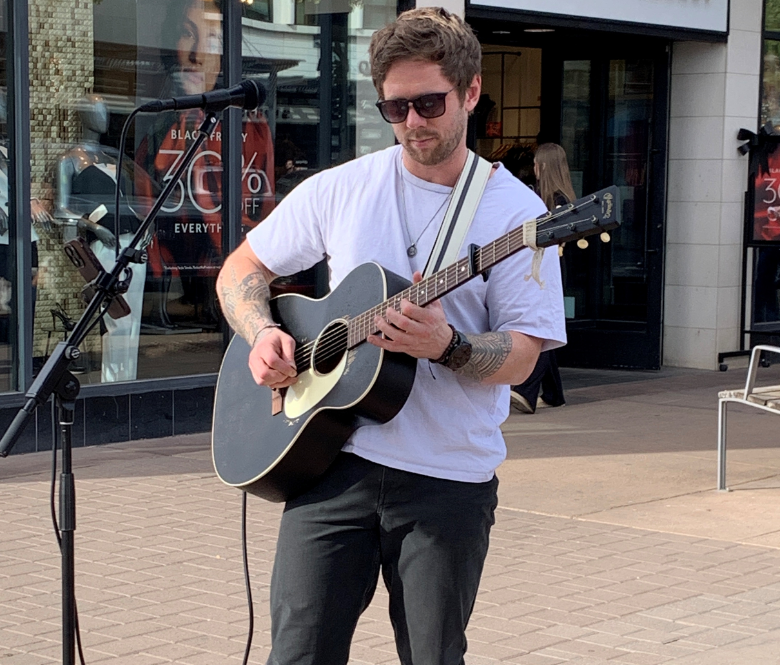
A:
{"points": [[554, 174], [428, 34]]}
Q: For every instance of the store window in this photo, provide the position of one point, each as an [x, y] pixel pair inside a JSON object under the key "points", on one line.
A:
{"points": [[8, 314], [91, 64], [772, 16], [508, 114], [763, 237], [257, 10]]}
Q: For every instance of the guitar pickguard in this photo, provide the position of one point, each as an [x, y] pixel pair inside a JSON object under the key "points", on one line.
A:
{"points": [[310, 389]]}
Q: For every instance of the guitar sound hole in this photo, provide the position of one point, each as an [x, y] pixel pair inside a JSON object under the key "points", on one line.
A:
{"points": [[330, 347]]}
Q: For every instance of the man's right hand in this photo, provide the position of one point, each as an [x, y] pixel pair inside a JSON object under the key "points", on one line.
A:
{"points": [[272, 359]]}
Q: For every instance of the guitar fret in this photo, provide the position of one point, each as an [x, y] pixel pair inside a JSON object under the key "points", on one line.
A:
{"points": [[583, 217]]}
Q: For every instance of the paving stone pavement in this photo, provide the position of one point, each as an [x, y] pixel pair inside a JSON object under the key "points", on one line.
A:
{"points": [[610, 544]]}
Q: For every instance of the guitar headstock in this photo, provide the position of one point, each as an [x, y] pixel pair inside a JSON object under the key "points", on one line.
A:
{"points": [[591, 214]]}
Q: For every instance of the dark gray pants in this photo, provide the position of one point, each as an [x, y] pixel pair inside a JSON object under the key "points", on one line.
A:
{"points": [[429, 537]]}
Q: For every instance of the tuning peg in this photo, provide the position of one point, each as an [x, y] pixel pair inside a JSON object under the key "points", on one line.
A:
{"points": [[582, 243], [605, 237]]}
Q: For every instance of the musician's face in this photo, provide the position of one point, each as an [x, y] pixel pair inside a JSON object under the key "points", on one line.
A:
{"points": [[199, 49], [429, 141]]}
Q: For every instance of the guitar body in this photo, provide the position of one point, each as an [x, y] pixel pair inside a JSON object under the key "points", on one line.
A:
{"points": [[279, 456]]}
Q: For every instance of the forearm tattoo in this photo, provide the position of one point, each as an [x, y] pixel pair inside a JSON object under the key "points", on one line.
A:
{"points": [[489, 351], [245, 302]]}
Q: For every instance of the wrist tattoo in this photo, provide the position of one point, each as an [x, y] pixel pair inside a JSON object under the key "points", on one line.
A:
{"points": [[489, 351], [245, 303]]}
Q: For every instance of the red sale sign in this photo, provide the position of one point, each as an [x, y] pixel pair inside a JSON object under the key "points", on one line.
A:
{"points": [[766, 213]]}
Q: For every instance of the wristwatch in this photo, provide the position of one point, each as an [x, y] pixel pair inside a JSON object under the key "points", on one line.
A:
{"points": [[457, 353]]}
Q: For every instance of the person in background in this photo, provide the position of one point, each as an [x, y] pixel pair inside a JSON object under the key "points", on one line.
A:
{"points": [[553, 184]]}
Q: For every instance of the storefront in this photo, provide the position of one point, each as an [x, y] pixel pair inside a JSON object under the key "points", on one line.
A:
{"points": [[761, 295], [645, 97], [597, 83]]}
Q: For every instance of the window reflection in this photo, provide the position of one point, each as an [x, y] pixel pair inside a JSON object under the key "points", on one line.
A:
{"points": [[87, 74], [186, 252]]}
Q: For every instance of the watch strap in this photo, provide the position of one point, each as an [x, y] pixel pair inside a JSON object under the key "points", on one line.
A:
{"points": [[442, 360]]}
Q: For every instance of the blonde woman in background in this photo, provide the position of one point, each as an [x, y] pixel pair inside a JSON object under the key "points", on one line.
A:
{"points": [[553, 184]]}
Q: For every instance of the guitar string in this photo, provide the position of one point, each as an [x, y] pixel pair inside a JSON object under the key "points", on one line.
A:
{"points": [[509, 237], [333, 343], [334, 340]]}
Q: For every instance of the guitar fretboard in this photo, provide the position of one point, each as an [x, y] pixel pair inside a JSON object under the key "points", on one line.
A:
{"points": [[583, 217], [438, 284]]}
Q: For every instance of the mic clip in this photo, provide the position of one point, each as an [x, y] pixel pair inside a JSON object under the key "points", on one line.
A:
{"points": [[98, 280], [135, 255]]}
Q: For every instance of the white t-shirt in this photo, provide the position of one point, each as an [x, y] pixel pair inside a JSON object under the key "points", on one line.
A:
{"points": [[351, 214]]}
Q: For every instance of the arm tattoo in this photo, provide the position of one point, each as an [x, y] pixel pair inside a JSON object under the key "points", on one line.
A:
{"points": [[245, 303], [488, 353]]}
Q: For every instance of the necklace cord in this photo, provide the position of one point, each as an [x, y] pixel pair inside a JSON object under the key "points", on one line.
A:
{"points": [[411, 250]]}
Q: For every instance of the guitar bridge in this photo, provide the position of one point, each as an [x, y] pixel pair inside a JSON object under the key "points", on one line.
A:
{"points": [[277, 400]]}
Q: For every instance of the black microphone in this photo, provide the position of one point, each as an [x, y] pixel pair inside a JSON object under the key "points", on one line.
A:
{"points": [[248, 94]]}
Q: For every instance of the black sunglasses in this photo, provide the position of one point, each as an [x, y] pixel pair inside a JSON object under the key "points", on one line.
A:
{"points": [[432, 105]]}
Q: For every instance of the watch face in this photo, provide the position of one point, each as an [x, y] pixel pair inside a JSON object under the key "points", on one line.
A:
{"points": [[460, 355]]}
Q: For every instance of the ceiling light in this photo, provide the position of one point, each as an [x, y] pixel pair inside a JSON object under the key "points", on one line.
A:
{"points": [[539, 30]]}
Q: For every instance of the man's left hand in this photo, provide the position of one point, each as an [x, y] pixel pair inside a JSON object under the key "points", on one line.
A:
{"points": [[421, 332]]}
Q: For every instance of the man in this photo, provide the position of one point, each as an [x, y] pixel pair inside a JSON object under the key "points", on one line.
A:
{"points": [[413, 498]]}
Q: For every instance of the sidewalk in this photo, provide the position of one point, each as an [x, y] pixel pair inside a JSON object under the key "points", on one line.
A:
{"points": [[610, 546]]}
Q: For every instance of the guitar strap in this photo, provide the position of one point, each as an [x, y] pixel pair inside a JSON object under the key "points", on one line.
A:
{"points": [[460, 212]]}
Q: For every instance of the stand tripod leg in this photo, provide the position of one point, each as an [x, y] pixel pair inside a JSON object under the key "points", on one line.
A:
{"points": [[65, 409]]}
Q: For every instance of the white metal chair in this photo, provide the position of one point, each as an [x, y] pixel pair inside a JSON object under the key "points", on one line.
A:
{"points": [[766, 398]]}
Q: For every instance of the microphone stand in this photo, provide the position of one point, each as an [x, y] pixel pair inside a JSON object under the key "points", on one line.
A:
{"points": [[54, 378]]}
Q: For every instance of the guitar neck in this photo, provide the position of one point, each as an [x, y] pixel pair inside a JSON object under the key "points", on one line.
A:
{"points": [[439, 284], [590, 214]]}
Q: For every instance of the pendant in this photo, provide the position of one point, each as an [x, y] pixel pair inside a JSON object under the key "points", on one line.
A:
{"points": [[411, 251]]}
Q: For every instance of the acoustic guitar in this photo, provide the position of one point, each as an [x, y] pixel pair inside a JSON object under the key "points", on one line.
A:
{"points": [[277, 453]]}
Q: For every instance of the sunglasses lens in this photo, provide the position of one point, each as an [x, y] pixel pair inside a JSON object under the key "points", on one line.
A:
{"points": [[426, 106], [430, 106], [393, 111]]}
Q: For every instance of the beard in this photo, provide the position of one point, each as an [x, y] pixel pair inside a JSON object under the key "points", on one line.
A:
{"points": [[441, 150]]}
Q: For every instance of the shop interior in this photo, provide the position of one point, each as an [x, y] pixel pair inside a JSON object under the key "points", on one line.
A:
{"points": [[602, 97]]}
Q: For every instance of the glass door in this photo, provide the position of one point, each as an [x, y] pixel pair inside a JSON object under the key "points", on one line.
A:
{"points": [[613, 118]]}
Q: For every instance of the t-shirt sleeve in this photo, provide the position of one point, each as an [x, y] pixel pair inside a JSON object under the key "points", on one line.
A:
{"points": [[290, 239], [516, 301]]}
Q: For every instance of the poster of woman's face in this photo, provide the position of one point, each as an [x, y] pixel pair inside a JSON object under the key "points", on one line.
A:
{"points": [[189, 43], [199, 49]]}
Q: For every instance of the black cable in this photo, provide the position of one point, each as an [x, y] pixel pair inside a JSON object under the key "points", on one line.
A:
{"points": [[117, 189], [55, 522], [246, 580]]}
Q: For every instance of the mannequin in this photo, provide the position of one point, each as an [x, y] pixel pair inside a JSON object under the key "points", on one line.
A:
{"points": [[85, 181], [41, 219]]}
